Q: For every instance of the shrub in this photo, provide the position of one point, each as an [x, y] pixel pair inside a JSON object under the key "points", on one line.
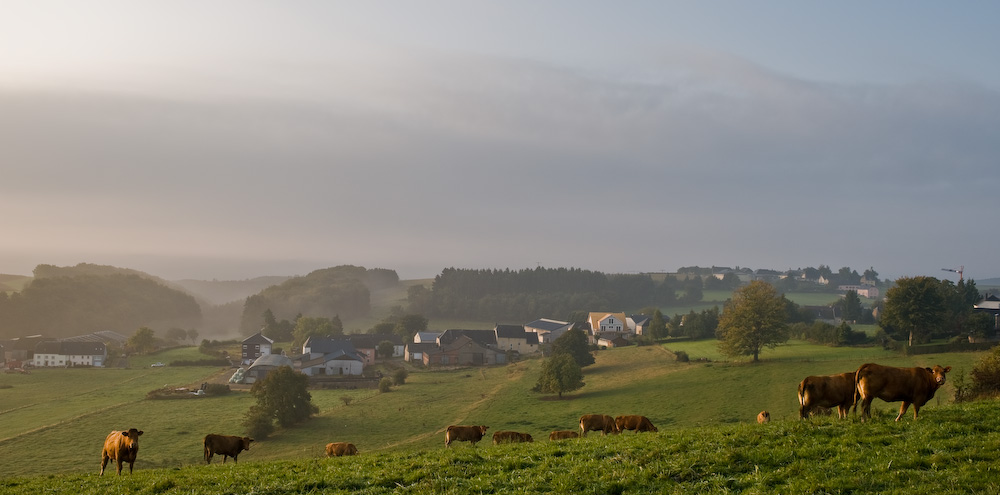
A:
{"points": [[399, 376], [682, 356], [385, 385], [986, 375], [217, 389], [258, 423], [346, 399]]}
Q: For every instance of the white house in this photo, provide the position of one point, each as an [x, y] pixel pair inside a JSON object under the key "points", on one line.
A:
{"points": [[66, 353], [325, 356], [548, 330]]}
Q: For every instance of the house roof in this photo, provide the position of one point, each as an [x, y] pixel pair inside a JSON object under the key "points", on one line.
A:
{"points": [[274, 360], [464, 341], [546, 324], [326, 345], [257, 338], [426, 337], [71, 348], [485, 338], [371, 341], [106, 336], [595, 319], [510, 331], [640, 319]]}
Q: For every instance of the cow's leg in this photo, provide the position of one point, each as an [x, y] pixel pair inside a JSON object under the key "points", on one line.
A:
{"points": [[104, 463], [916, 409], [130, 464], [902, 410], [119, 461], [224, 457], [842, 411], [866, 408]]}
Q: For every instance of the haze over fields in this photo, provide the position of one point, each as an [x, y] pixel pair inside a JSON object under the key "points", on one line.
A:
{"points": [[233, 139]]}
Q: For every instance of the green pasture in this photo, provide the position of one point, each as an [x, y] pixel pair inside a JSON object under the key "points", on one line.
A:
{"points": [[76, 408], [951, 450]]}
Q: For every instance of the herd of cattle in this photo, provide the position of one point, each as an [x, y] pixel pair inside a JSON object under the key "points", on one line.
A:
{"points": [[913, 386]]}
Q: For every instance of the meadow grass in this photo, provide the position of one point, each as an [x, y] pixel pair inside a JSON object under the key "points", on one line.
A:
{"points": [[410, 419], [950, 450]]}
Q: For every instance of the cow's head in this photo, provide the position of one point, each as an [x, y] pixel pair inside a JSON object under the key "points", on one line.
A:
{"points": [[131, 438], [483, 428], [246, 442], [938, 373]]}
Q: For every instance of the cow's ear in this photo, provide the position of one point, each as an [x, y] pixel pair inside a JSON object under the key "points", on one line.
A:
{"points": [[140, 433], [249, 439], [124, 433], [929, 370], [947, 369]]}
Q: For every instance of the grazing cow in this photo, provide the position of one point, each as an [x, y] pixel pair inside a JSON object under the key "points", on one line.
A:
{"points": [[337, 449], [911, 385], [122, 446], [563, 435], [225, 445], [825, 391], [471, 434], [763, 417], [635, 423], [511, 437], [597, 422]]}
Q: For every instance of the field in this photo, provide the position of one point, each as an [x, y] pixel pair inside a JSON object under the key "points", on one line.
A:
{"points": [[75, 408]]}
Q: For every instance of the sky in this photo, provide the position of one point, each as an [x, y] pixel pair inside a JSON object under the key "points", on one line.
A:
{"points": [[233, 139]]}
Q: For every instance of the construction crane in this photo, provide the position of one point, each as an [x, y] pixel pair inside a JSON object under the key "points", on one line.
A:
{"points": [[958, 270]]}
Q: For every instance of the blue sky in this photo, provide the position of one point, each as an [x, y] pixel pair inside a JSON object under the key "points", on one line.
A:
{"points": [[233, 139]]}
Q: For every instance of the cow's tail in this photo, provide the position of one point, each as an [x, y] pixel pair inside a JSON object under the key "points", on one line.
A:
{"points": [[206, 449], [803, 397], [857, 389]]}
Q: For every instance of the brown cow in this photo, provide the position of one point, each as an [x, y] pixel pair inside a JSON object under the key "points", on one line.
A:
{"points": [[763, 417], [911, 385], [597, 422], [825, 391], [337, 449], [511, 437], [458, 433], [225, 445], [122, 446], [563, 435], [635, 423]]}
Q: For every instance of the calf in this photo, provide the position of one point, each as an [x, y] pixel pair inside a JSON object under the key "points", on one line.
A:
{"points": [[597, 422], [122, 446], [337, 449], [910, 385], [825, 391], [635, 423], [563, 435], [764, 417], [225, 445], [459, 433], [511, 437]]}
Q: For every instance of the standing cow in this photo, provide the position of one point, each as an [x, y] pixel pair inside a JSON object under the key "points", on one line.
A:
{"points": [[122, 446], [911, 385], [226, 446], [337, 449], [826, 391], [597, 422], [635, 423], [459, 433]]}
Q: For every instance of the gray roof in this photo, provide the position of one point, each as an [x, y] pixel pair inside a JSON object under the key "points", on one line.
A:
{"points": [[486, 338], [257, 338], [549, 325], [510, 331], [275, 360], [71, 348], [326, 345]]}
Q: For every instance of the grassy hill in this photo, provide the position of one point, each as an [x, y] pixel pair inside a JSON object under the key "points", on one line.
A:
{"points": [[74, 409]]}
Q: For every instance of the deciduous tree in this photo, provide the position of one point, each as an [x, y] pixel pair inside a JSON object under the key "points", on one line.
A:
{"points": [[913, 307], [560, 373], [754, 319], [574, 343], [283, 396]]}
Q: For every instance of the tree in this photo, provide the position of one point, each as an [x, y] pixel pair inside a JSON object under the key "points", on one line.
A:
{"points": [[914, 306], [850, 306], [560, 373], [658, 325], [385, 349], [178, 334], [754, 319], [307, 327], [283, 397], [409, 325], [574, 343], [192, 334], [142, 341]]}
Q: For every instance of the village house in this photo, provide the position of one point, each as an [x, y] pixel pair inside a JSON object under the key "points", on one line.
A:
{"points": [[638, 324], [367, 344], [514, 338], [548, 330], [255, 346], [463, 351], [414, 352], [608, 326], [325, 356], [264, 365], [70, 353]]}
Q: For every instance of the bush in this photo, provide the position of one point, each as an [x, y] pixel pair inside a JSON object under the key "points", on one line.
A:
{"points": [[986, 375], [399, 376], [217, 389], [258, 423], [385, 385], [682, 356]]}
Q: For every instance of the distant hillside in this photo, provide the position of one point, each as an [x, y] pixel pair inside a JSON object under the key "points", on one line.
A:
{"points": [[9, 283], [226, 291]]}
